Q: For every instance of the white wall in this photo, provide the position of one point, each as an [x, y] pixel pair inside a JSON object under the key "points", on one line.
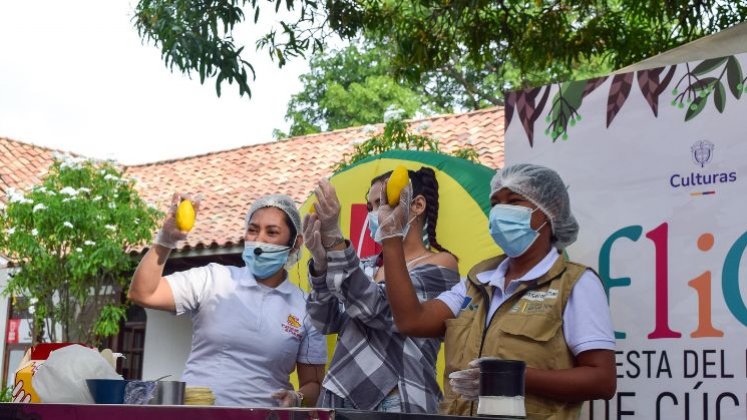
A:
{"points": [[168, 339]]}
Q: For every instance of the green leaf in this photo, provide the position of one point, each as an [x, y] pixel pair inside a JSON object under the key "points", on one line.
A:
{"points": [[719, 97], [734, 76], [709, 65], [695, 108]]}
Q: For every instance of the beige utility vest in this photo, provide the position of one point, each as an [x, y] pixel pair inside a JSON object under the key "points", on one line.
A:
{"points": [[527, 326]]}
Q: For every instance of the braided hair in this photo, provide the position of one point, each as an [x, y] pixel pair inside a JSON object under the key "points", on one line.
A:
{"points": [[423, 183]]}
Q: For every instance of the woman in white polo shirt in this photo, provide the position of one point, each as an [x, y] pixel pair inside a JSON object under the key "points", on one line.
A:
{"points": [[250, 327]]}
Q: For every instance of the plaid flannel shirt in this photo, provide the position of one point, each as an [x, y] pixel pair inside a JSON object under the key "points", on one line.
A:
{"points": [[371, 358]]}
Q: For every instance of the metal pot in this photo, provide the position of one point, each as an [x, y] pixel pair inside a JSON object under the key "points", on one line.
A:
{"points": [[168, 393]]}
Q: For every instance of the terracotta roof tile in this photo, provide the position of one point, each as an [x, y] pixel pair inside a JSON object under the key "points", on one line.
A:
{"points": [[230, 180]]}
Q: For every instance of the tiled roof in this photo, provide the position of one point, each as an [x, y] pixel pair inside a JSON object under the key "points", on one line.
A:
{"points": [[230, 180], [22, 165]]}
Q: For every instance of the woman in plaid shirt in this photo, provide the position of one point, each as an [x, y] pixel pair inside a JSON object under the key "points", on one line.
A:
{"points": [[374, 367]]}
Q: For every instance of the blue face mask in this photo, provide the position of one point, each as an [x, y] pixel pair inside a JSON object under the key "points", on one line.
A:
{"points": [[263, 259], [510, 227], [373, 222]]}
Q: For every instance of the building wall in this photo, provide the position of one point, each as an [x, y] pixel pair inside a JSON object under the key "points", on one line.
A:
{"points": [[168, 339]]}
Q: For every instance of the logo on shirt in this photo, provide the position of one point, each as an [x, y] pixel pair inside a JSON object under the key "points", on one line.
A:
{"points": [[293, 326], [534, 302]]}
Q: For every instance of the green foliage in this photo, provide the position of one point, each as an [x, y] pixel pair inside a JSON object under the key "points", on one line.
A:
{"points": [[537, 39], [69, 236], [355, 85], [6, 395], [396, 136]]}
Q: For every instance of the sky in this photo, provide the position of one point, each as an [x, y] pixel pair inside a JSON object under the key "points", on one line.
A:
{"points": [[75, 76]]}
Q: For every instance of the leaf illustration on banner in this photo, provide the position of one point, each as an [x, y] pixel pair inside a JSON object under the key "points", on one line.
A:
{"points": [[697, 90], [527, 111], [648, 81], [508, 108], [709, 65], [695, 107], [619, 91], [719, 97], [592, 84], [734, 77], [564, 109]]}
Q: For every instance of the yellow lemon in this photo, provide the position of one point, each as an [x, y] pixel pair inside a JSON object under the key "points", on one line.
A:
{"points": [[185, 216], [397, 180]]}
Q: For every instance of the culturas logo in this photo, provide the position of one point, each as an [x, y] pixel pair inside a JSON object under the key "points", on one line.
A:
{"points": [[701, 153]]}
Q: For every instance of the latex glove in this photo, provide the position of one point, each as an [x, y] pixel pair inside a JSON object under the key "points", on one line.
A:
{"points": [[394, 221], [466, 382], [313, 241], [288, 398], [169, 234], [328, 211]]}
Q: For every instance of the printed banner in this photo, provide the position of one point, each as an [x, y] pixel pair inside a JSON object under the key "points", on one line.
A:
{"points": [[655, 166]]}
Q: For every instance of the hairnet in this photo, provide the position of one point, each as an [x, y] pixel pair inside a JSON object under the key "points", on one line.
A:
{"points": [[279, 201], [543, 187]]}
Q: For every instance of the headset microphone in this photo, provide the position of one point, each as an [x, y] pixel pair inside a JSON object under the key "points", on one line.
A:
{"points": [[259, 251]]}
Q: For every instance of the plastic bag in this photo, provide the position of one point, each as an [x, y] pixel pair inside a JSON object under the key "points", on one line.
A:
{"points": [[139, 392], [62, 377]]}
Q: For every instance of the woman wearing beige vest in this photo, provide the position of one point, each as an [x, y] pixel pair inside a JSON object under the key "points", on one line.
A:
{"points": [[529, 304]]}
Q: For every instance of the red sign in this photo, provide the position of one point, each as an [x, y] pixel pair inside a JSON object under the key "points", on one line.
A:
{"points": [[360, 236], [13, 326]]}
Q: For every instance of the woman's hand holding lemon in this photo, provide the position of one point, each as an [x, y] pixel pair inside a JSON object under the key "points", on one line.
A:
{"points": [[179, 220]]}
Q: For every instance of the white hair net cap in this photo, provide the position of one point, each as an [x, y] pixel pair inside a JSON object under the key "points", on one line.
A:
{"points": [[543, 187], [279, 201]]}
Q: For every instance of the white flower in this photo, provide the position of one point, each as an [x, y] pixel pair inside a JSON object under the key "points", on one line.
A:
{"points": [[111, 227], [69, 191], [423, 126], [41, 189], [15, 196], [34, 232], [10, 231], [97, 198], [78, 249], [109, 177], [89, 243], [68, 199], [38, 207], [32, 309], [84, 189], [393, 113], [67, 224], [112, 206], [33, 301], [368, 129], [102, 172]]}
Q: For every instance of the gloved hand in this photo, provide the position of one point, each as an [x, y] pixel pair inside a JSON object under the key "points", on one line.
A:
{"points": [[394, 221], [288, 398], [466, 382], [328, 210], [169, 234], [312, 238]]}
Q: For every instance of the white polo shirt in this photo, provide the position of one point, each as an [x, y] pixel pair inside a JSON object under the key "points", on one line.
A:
{"points": [[246, 337], [587, 323]]}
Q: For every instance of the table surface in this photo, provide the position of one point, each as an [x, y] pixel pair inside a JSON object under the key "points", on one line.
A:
{"points": [[17, 411]]}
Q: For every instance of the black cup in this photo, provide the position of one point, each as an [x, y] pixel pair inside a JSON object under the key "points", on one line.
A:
{"points": [[502, 377]]}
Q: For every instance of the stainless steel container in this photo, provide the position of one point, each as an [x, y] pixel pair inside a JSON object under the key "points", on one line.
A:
{"points": [[168, 393]]}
